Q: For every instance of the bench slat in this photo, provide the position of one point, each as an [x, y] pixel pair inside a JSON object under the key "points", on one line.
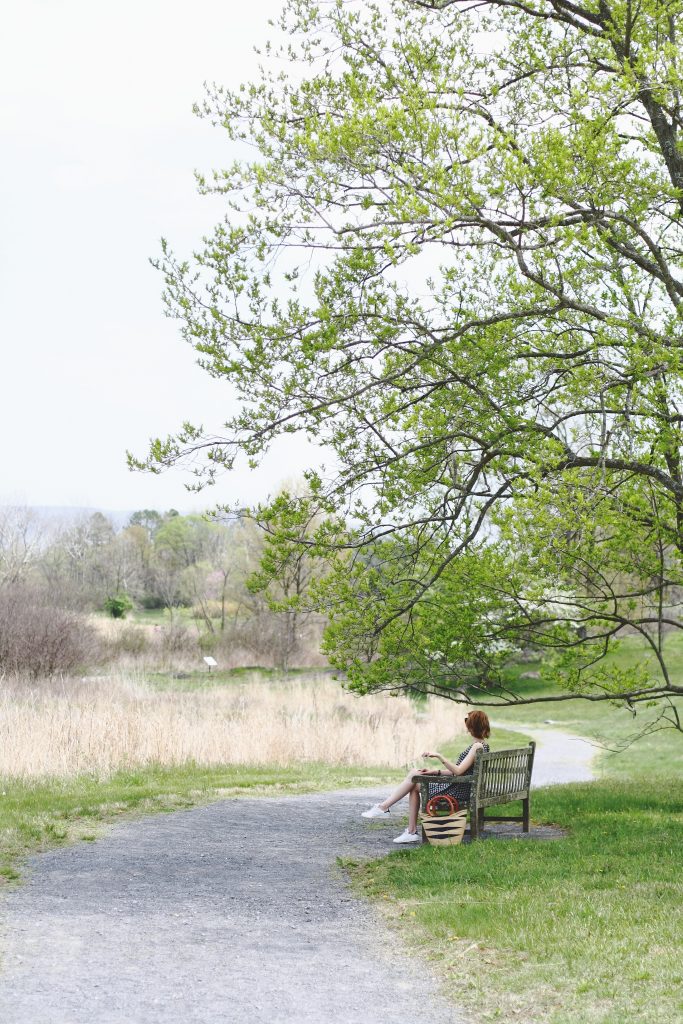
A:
{"points": [[502, 798]]}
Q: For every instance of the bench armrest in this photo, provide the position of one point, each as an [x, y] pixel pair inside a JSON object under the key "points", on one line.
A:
{"points": [[435, 784], [445, 777]]}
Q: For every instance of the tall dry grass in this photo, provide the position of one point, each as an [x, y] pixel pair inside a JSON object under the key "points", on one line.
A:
{"points": [[70, 728]]}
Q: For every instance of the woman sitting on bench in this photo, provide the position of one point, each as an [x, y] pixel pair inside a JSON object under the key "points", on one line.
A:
{"points": [[477, 723]]}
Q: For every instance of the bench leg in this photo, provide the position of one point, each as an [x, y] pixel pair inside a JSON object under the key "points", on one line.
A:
{"points": [[476, 822], [525, 815]]}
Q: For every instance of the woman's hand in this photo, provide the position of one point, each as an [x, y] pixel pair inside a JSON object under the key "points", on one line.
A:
{"points": [[427, 753]]}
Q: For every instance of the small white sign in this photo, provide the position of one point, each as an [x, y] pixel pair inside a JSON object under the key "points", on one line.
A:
{"points": [[211, 662]]}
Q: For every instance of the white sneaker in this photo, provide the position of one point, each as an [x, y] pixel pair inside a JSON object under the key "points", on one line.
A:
{"points": [[408, 837], [375, 812]]}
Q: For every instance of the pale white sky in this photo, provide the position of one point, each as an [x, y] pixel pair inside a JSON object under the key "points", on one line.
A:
{"points": [[99, 145]]}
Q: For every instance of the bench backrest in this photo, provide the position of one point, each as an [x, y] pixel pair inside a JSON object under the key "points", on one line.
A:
{"points": [[502, 775]]}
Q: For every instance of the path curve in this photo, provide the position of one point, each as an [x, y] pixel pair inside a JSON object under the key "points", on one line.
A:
{"points": [[234, 912], [560, 757]]}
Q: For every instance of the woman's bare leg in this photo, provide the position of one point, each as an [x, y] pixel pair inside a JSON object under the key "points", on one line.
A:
{"points": [[400, 791], [414, 808]]}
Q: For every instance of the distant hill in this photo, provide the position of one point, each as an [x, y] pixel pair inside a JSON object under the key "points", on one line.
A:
{"points": [[65, 514]]}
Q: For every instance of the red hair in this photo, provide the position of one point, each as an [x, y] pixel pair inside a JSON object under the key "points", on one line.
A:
{"points": [[478, 724]]}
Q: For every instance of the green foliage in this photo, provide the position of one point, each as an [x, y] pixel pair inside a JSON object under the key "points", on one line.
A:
{"points": [[208, 642], [615, 729], [459, 268], [185, 540], [149, 519], [118, 605]]}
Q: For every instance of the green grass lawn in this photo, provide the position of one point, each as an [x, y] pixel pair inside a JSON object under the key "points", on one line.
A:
{"points": [[583, 930], [150, 616], [156, 616], [38, 816], [621, 749]]}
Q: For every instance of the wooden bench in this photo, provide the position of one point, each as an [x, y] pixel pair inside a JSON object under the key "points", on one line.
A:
{"points": [[497, 777]]}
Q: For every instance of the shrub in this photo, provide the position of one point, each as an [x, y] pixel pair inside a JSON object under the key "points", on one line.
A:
{"points": [[208, 642], [212, 609], [129, 640], [118, 605], [263, 639], [40, 639], [175, 638]]}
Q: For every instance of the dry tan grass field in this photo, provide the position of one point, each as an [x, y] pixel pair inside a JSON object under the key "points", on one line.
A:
{"points": [[67, 728]]}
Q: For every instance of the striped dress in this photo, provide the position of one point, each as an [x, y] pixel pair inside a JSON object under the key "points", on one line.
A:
{"points": [[459, 790]]}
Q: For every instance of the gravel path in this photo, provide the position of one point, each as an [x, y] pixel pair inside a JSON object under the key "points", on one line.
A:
{"points": [[560, 757], [234, 912]]}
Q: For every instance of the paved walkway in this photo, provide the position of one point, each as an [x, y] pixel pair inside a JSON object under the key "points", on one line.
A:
{"points": [[234, 912]]}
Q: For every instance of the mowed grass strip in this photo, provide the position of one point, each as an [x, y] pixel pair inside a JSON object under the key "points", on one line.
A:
{"points": [[36, 816]]}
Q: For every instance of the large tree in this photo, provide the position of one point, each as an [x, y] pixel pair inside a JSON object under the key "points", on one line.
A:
{"points": [[452, 255]]}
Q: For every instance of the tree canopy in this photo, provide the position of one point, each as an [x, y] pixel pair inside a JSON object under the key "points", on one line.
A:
{"points": [[453, 256]]}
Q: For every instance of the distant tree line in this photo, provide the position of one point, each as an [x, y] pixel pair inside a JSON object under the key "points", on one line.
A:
{"points": [[223, 584]]}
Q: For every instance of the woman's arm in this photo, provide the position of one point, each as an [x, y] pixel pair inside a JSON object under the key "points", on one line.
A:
{"points": [[464, 766]]}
